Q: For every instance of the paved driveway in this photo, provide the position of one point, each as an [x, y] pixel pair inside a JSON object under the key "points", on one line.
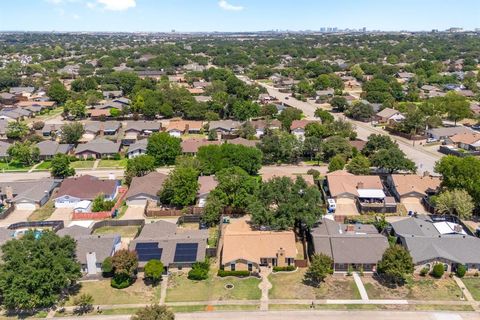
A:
{"points": [[133, 212], [64, 214], [15, 216]]}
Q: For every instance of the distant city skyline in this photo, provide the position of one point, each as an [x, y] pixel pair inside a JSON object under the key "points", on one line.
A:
{"points": [[237, 15]]}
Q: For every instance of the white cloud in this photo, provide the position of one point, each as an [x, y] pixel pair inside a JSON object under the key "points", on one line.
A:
{"points": [[76, 17], [117, 5], [91, 5], [229, 7]]}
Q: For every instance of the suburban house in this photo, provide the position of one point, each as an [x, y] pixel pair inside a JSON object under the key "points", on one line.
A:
{"points": [[410, 189], [206, 185], [27, 195], [447, 132], [137, 149], [112, 94], [297, 128], [48, 149], [469, 141], [143, 189], [91, 250], [245, 248], [22, 91], [176, 128], [7, 98], [97, 149], [262, 125], [354, 194], [351, 247], [138, 129], [175, 247], [191, 146], [389, 115], [53, 129], [84, 188], [224, 126], [152, 74], [244, 142], [431, 241]]}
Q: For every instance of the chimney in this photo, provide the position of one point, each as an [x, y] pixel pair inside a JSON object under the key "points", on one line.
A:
{"points": [[458, 228], [360, 185], [9, 192]]}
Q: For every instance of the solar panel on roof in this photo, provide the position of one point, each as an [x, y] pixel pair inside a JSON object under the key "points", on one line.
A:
{"points": [[186, 252], [148, 251]]}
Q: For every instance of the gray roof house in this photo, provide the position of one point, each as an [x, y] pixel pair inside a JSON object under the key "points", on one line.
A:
{"points": [[27, 195], [3, 149], [145, 188], [438, 241], [91, 249], [138, 148], [224, 125], [350, 246], [3, 129], [48, 149], [447, 132], [97, 149], [174, 246]]}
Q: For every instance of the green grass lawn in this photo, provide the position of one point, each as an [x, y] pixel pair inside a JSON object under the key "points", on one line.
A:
{"points": [[417, 289], [82, 164], [103, 293], [45, 165], [289, 285], [113, 163], [44, 212], [125, 232], [182, 289], [13, 166], [473, 285]]}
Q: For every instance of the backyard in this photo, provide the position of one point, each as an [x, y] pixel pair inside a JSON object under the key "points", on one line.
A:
{"points": [[289, 285], [124, 231], [44, 212], [104, 294], [180, 288], [416, 289]]}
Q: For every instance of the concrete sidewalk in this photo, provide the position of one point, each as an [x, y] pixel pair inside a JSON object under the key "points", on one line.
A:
{"points": [[360, 286]]}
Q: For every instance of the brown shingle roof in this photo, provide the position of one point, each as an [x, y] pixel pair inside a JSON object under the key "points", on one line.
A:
{"points": [[86, 187], [207, 184], [149, 184], [341, 182], [192, 145], [407, 183]]}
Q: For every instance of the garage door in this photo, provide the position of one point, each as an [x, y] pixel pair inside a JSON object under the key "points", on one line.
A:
{"points": [[25, 206], [137, 203], [413, 204]]}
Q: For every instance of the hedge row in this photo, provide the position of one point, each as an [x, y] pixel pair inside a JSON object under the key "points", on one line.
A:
{"points": [[239, 273], [286, 268]]}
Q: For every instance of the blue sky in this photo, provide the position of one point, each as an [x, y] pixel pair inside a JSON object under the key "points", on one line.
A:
{"points": [[236, 15]]}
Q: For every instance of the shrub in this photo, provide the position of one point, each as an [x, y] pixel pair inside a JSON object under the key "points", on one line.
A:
{"points": [[239, 273], [107, 267], [438, 271], [461, 270], [121, 281], [154, 270], [314, 173], [349, 270], [424, 271], [280, 269], [38, 125], [116, 156], [199, 271]]}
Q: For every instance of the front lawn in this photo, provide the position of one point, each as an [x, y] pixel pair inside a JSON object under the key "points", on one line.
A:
{"points": [[180, 288], [82, 164], [473, 285], [45, 165], [125, 232], [113, 163], [289, 285], [417, 289], [103, 293], [13, 166]]}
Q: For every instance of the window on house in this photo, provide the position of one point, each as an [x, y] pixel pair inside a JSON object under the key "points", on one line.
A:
{"points": [[250, 267], [232, 266]]}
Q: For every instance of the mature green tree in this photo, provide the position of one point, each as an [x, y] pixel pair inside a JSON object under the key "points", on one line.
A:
{"points": [[396, 265], [154, 312], [359, 165], [16, 130], [60, 167], [460, 173], [280, 147], [458, 107], [268, 110], [376, 142], [138, 167], [125, 264], [164, 148], [360, 111], [392, 160], [324, 115], [339, 103], [57, 92], [455, 202], [320, 267], [72, 132], [336, 163], [334, 146], [234, 192], [288, 115], [414, 122], [281, 203], [75, 109], [26, 152], [154, 270], [214, 158], [245, 110], [36, 270], [181, 186], [99, 204]]}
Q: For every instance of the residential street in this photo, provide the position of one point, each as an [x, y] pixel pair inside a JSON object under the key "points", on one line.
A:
{"points": [[424, 159], [308, 315]]}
